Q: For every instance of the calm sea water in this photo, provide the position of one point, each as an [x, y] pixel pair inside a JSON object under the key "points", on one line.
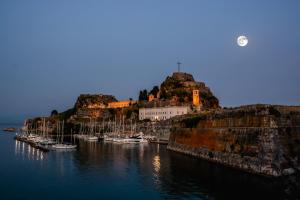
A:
{"points": [[111, 171]]}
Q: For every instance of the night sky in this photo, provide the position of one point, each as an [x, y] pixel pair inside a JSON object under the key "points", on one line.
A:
{"points": [[52, 51]]}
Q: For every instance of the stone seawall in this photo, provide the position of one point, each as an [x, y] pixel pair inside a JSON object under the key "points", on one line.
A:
{"points": [[261, 139]]}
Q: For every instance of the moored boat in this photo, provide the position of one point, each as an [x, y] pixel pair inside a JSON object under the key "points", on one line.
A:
{"points": [[63, 146], [91, 138], [10, 129], [60, 140]]}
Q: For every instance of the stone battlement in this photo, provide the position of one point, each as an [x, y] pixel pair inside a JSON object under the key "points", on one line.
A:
{"points": [[261, 139]]}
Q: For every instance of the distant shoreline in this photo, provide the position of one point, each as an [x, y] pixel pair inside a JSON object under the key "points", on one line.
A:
{"points": [[11, 123], [10, 129]]}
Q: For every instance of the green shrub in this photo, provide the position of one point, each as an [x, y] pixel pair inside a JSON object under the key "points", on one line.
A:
{"points": [[67, 114]]}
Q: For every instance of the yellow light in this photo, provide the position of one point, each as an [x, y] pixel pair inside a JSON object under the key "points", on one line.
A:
{"points": [[156, 163]]}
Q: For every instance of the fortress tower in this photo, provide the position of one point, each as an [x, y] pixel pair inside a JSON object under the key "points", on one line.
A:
{"points": [[196, 98]]}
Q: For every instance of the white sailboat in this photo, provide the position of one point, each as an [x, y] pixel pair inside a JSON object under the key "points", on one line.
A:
{"points": [[133, 139], [91, 137], [139, 138], [110, 136], [62, 145], [45, 140]]}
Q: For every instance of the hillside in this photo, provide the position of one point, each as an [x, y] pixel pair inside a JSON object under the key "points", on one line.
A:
{"points": [[93, 101], [179, 88]]}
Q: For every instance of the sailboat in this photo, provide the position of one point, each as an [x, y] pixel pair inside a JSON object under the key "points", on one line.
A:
{"points": [[133, 139], [110, 136], [45, 140], [62, 145], [91, 137], [139, 138]]}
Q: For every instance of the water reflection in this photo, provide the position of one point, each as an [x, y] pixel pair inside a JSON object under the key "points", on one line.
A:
{"points": [[63, 161], [156, 163], [116, 168], [172, 174], [28, 152]]}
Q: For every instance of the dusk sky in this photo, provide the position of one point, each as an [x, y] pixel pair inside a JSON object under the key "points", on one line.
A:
{"points": [[52, 51]]}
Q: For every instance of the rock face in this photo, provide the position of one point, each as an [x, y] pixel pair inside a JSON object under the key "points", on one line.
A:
{"points": [[179, 87], [261, 139], [93, 101], [91, 106], [182, 76]]}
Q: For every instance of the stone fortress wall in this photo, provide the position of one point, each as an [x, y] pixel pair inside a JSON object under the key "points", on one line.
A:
{"points": [[261, 139]]}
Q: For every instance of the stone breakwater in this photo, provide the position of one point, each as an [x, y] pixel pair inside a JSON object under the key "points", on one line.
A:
{"points": [[261, 139]]}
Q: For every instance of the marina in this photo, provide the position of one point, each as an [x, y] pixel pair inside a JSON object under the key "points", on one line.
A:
{"points": [[149, 100], [41, 139], [99, 169]]}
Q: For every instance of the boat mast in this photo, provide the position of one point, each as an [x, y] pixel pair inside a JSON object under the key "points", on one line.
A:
{"points": [[62, 132]]}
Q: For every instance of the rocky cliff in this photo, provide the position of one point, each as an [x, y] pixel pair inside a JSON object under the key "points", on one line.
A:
{"points": [[93, 101], [91, 106], [178, 88], [262, 139]]}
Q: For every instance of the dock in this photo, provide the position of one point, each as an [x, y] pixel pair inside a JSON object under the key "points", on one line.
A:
{"points": [[31, 143]]}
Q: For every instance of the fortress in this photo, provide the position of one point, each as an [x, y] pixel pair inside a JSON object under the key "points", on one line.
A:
{"points": [[178, 94], [261, 139], [121, 104]]}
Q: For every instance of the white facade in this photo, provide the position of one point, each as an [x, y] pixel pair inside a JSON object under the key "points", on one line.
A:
{"points": [[162, 113]]}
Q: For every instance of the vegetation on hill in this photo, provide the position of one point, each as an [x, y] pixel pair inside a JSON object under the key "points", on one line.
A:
{"points": [[85, 100], [143, 96], [154, 91], [54, 113], [66, 114], [180, 86]]}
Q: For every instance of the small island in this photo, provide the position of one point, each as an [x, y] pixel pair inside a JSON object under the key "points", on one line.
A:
{"points": [[10, 129]]}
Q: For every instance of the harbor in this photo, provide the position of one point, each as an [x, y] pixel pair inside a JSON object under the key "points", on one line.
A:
{"points": [[185, 115], [149, 100], [147, 171], [40, 137]]}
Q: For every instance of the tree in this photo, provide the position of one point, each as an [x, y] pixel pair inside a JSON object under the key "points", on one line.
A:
{"points": [[112, 111], [67, 114], [154, 91], [143, 95], [181, 99], [163, 94], [130, 101], [54, 113]]}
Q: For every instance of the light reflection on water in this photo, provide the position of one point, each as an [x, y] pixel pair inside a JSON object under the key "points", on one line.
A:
{"points": [[156, 163], [149, 171], [27, 151]]}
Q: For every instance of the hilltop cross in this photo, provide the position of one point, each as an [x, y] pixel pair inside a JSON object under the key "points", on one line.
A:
{"points": [[178, 66]]}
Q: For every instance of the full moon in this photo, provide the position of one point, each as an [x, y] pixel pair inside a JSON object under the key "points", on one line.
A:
{"points": [[242, 41]]}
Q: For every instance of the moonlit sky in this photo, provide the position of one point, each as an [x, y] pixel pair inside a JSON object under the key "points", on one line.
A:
{"points": [[52, 51]]}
